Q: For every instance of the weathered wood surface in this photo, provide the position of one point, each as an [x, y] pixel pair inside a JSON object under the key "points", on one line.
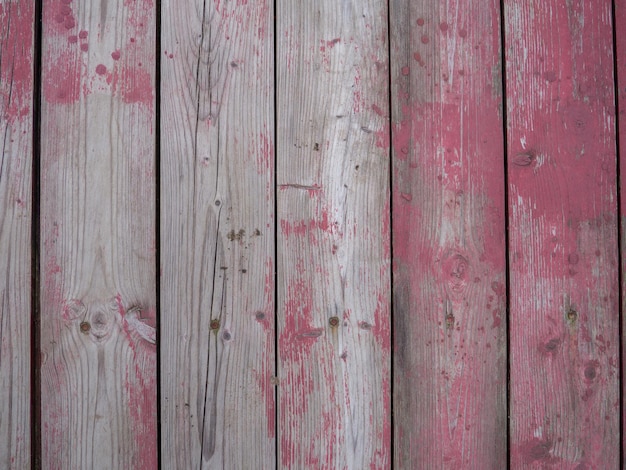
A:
{"points": [[620, 85], [564, 328], [333, 235], [448, 235], [217, 235], [16, 119], [98, 353]]}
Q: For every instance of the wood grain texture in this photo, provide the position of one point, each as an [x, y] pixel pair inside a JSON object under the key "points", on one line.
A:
{"points": [[620, 51], [98, 364], [16, 127], [448, 235], [563, 235], [217, 235], [333, 235]]}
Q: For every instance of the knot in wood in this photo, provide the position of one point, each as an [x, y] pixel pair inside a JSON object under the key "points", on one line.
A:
{"points": [[101, 324], [73, 309], [456, 268], [523, 159]]}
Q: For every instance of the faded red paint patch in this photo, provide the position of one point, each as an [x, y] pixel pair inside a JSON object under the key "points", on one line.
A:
{"points": [[295, 344], [62, 79], [265, 155], [537, 450], [140, 385], [16, 21], [382, 324], [266, 388], [136, 85]]}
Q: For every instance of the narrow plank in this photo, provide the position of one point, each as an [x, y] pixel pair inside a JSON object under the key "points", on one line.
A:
{"points": [[217, 235], [620, 51], [563, 235], [98, 365], [16, 128], [448, 235], [333, 235]]}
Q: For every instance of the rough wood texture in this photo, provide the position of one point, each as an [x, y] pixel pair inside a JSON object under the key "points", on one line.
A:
{"points": [[16, 99], [217, 235], [98, 364], [563, 235], [333, 240], [448, 235], [620, 51]]}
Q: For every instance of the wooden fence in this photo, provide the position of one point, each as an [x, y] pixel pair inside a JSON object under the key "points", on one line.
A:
{"points": [[311, 234]]}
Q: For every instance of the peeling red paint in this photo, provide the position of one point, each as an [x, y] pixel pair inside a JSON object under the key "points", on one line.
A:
{"points": [[17, 30], [141, 388], [61, 79], [136, 86]]}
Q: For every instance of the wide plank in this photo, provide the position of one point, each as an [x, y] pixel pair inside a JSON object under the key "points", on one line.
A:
{"points": [[564, 312], [98, 303], [449, 285], [16, 130], [333, 266], [217, 235]]}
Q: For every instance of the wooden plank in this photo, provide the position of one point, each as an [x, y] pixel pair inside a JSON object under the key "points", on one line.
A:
{"points": [[448, 235], [620, 51], [563, 235], [333, 235], [16, 131], [217, 235], [98, 369]]}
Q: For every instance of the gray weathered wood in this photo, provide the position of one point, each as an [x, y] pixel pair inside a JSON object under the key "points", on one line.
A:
{"points": [[16, 100], [98, 364], [333, 235], [448, 235], [217, 235]]}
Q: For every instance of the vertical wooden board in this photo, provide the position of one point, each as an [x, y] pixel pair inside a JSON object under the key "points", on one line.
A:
{"points": [[217, 235], [333, 235], [620, 51], [563, 235], [16, 118], [98, 364], [448, 229]]}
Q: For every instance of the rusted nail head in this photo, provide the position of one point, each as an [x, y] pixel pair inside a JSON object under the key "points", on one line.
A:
{"points": [[85, 327], [333, 321]]}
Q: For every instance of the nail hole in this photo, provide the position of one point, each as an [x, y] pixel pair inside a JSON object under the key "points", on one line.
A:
{"points": [[572, 315]]}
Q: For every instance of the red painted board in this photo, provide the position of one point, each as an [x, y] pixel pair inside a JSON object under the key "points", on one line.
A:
{"points": [[448, 224], [16, 133], [98, 318], [564, 312], [333, 257]]}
